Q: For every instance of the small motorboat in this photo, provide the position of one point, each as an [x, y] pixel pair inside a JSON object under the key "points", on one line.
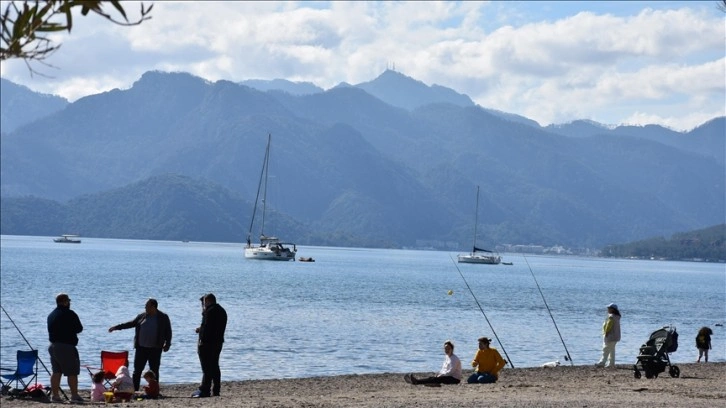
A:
{"points": [[67, 239], [305, 259], [507, 263]]}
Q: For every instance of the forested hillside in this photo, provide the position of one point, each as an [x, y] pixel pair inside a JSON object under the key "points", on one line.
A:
{"points": [[707, 244]]}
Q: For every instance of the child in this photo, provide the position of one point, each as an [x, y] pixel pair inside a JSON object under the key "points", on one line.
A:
{"points": [[123, 387], [97, 389], [151, 391], [703, 343]]}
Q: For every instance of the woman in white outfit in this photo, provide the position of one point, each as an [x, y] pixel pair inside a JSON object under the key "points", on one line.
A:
{"points": [[611, 336]]}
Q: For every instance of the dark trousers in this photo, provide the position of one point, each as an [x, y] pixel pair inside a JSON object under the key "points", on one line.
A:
{"points": [[144, 355], [209, 358], [446, 379]]}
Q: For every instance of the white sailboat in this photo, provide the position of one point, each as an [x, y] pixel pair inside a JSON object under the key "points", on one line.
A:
{"points": [[270, 247], [478, 255]]}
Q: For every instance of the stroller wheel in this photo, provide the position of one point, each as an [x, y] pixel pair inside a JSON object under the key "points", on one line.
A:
{"points": [[648, 374], [636, 373], [674, 371]]}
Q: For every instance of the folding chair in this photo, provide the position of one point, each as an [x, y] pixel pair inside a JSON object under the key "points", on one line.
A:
{"points": [[27, 367], [110, 363]]}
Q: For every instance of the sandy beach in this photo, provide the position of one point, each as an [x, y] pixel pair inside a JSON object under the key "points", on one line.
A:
{"points": [[699, 385]]}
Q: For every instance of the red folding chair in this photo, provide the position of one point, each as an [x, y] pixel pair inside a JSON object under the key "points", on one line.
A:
{"points": [[110, 363]]}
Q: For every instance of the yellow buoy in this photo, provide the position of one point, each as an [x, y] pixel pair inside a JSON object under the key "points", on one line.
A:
{"points": [[450, 292]]}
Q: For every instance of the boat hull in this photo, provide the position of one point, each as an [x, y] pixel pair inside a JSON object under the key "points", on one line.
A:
{"points": [[67, 240], [480, 259], [267, 254]]}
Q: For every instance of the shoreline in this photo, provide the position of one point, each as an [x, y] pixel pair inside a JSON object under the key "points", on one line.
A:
{"points": [[699, 385]]}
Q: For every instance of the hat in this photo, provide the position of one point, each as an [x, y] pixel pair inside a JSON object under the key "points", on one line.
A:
{"points": [[488, 340], [612, 306]]}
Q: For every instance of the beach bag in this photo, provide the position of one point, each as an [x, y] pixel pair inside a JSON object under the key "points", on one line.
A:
{"points": [[674, 342], [36, 391]]}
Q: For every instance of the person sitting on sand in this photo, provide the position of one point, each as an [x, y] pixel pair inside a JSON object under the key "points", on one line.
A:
{"points": [[123, 386], [151, 390], [450, 372], [487, 363], [97, 389]]}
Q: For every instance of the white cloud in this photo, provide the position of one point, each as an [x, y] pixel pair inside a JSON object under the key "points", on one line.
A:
{"points": [[665, 65]]}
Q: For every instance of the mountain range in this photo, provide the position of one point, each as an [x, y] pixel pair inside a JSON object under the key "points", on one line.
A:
{"points": [[390, 162]]}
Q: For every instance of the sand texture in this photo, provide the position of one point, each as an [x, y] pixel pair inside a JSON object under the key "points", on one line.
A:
{"points": [[699, 385]]}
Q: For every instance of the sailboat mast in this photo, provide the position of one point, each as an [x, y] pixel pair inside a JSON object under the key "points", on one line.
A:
{"points": [[263, 174], [476, 219], [264, 194]]}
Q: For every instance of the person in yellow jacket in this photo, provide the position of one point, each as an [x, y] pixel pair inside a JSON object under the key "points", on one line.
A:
{"points": [[487, 363], [610, 336]]}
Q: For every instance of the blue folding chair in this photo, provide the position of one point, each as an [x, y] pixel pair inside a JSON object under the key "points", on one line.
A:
{"points": [[27, 367]]}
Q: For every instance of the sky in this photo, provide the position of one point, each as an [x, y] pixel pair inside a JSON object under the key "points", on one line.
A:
{"points": [[635, 62]]}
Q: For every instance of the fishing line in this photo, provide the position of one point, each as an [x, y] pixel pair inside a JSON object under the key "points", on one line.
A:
{"points": [[31, 347], [549, 311], [482, 312]]}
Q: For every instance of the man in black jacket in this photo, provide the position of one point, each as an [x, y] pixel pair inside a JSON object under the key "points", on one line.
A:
{"points": [[153, 335], [63, 328], [211, 337]]}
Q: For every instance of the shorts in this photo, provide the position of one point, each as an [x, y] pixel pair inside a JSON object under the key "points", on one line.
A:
{"points": [[64, 359]]}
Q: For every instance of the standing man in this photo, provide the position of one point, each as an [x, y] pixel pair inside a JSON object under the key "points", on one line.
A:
{"points": [[487, 363], [63, 328], [211, 338], [153, 335]]}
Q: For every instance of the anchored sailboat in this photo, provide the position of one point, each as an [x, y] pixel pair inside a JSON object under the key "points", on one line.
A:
{"points": [[478, 255], [270, 247]]}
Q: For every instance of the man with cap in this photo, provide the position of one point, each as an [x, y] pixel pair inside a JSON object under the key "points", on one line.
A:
{"points": [[487, 363], [211, 338], [610, 336], [63, 328], [152, 336]]}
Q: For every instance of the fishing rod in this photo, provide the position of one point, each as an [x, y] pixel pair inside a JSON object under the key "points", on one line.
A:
{"points": [[31, 347], [482, 312], [568, 358]]}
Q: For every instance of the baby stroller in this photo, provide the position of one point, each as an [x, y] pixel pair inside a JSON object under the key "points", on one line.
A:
{"points": [[653, 358]]}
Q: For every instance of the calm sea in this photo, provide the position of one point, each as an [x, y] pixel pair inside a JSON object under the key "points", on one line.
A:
{"points": [[353, 310]]}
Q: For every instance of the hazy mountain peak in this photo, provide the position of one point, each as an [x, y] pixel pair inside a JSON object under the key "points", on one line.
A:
{"points": [[293, 88], [19, 105], [180, 79], [402, 91], [342, 85]]}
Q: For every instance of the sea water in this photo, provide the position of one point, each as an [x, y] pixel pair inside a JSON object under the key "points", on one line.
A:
{"points": [[352, 310]]}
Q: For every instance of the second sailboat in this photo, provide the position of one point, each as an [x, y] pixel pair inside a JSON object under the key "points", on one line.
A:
{"points": [[270, 247]]}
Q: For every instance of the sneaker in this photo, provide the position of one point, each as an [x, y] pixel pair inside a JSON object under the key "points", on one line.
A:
{"points": [[77, 398], [56, 399], [200, 394], [600, 365]]}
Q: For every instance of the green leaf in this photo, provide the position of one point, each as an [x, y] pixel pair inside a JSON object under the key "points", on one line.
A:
{"points": [[50, 27], [21, 24], [120, 9]]}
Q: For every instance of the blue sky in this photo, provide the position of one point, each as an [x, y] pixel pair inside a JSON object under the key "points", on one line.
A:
{"points": [[612, 62]]}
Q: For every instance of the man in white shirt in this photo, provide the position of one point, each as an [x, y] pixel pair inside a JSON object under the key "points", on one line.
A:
{"points": [[450, 372]]}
